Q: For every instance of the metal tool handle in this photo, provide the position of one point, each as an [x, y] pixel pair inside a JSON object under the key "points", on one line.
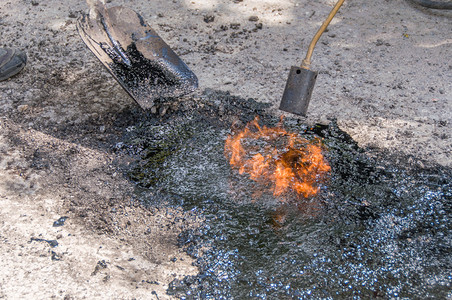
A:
{"points": [[306, 64]]}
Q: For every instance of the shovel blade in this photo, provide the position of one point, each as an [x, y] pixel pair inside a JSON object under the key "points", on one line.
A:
{"points": [[298, 91], [138, 58]]}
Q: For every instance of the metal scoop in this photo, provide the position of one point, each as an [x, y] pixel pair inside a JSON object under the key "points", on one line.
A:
{"points": [[138, 58], [300, 83]]}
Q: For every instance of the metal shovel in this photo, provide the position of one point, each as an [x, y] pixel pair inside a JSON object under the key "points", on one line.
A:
{"points": [[300, 83], [145, 66]]}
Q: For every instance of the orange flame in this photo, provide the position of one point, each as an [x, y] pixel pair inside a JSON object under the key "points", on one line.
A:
{"points": [[274, 155]]}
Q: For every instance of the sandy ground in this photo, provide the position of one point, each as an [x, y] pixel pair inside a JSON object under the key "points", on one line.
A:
{"points": [[385, 75]]}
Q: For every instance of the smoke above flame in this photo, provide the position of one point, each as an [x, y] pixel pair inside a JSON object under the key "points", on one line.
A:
{"points": [[282, 160]]}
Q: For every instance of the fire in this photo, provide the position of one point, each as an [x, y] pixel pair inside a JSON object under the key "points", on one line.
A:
{"points": [[273, 155]]}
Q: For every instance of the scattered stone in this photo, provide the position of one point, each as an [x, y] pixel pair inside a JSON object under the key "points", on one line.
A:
{"points": [[323, 120], [379, 42], [52, 243], [209, 18], [442, 123], [22, 108], [253, 18], [120, 268], [259, 26], [60, 222], [72, 15], [101, 264], [163, 110], [55, 256], [234, 25], [175, 286]]}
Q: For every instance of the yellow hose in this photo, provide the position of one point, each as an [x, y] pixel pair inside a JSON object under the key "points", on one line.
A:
{"points": [[306, 64]]}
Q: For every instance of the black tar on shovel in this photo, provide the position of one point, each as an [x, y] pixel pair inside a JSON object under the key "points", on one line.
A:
{"points": [[300, 83], [138, 58]]}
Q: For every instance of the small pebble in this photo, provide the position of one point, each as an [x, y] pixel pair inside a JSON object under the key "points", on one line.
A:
{"points": [[379, 42], [253, 18], [162, 111], [324, 120], [60, 222], [55, 256], [209, 18], [22, 108]]}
